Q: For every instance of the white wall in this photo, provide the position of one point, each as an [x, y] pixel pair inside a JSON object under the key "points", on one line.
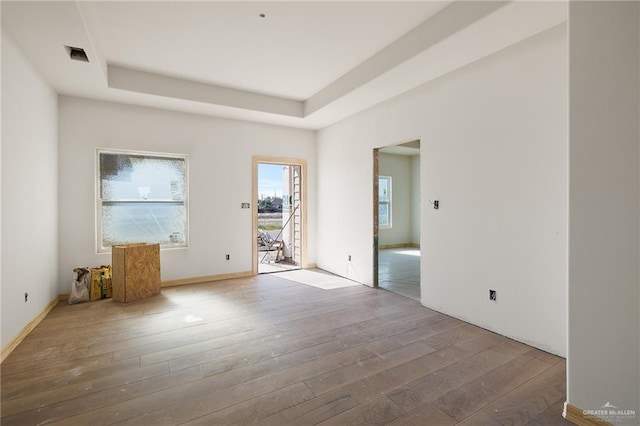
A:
{"points": [[29, 192], [415, 199], [494, 153], [399, 168], [220, 166], [604, 196]]}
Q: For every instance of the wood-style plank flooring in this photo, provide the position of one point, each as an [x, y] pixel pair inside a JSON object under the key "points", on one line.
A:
{"points": [[270, 351]]}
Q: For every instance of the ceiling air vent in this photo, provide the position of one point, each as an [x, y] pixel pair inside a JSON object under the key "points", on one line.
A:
{"points": [[77, 53]]}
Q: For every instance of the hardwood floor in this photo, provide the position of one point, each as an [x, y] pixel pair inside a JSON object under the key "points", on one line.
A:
{"points": [[270, 351]]}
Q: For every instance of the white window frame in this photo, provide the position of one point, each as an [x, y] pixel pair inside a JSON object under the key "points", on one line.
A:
{"points": [[389, 180], [99, 202]]}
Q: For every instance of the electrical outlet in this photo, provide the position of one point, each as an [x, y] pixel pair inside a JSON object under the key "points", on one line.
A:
{"points": [[349, 258], [228, 257], [26, 297], [492, 295]]}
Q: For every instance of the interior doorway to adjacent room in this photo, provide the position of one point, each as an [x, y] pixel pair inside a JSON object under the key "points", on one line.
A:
{"points": [[396, 211], [279, 215]]}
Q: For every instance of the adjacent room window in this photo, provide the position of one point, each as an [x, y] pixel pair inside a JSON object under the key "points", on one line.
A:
{"points": [[142, 197], [384, 201]]}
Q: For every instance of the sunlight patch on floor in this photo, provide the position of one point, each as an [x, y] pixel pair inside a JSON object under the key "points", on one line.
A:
{"points": [[317, 279]]}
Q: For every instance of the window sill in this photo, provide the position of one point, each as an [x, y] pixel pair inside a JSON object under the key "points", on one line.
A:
{"points": [[163, 247]]}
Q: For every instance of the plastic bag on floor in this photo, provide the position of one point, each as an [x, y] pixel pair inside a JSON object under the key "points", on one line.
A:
{"points": [[80, 286]]}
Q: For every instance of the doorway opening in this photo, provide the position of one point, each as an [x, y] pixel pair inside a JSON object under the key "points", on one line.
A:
{"points": [[397, 213], [279, 215]]}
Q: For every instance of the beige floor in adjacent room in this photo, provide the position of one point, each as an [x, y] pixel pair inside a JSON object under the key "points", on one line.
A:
{"points": [[399, 271], [271, 351]]}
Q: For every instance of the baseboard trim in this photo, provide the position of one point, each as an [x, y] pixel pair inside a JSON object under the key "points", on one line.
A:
{"points": [[27, 329], [311, 266], [401, 245], [206, 279], [576, 416]]}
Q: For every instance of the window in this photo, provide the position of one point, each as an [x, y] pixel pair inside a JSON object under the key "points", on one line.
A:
{"points": [[142, 197], [384, 201]]}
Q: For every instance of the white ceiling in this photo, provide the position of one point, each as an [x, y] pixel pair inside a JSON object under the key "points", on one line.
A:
{"points": [[306, 64], [296, 50], [407, 149]]}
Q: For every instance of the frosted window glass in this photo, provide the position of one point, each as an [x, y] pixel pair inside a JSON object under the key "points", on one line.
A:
{"points": [[142, 222], [128, 177], [142, 199]]}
